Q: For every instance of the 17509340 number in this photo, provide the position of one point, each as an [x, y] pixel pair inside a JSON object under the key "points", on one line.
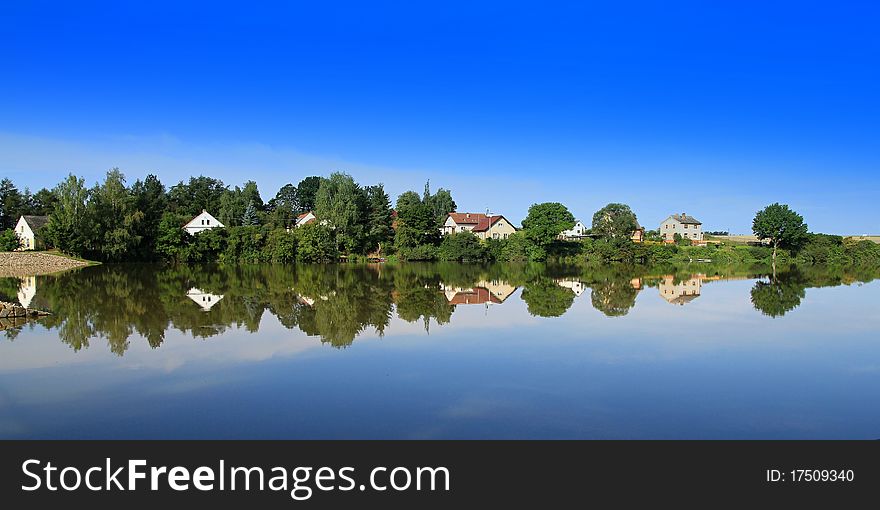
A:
{"points": [[822, 475]]}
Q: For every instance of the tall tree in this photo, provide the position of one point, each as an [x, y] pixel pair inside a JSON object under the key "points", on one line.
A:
{"points": [[10, 204], [71, 226], [342, 203], [117, 218], [249, 218], [306, 193], [416, 223], [546, 221], [615, 221], [781, 225], [199, 193], [283, 208], [379, 231], [44, 202], [151, 199]]}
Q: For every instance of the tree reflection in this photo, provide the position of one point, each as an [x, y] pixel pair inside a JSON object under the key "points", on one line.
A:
{"points": [[336, 303]]}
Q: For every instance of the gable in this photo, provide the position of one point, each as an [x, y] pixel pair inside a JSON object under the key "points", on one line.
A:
{"points": [[207, 218]]}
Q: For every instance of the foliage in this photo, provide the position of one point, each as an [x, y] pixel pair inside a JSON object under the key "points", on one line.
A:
{"points": [[461, 246], [781, 225], [280, 246], [199, 193], [306, 193], [243, 244], [342, 204], [315, 243], [440, 203], [519, 247], [9, 240], [418, 252], [545, 298], [71, 227], [546, 221], [778, 297], [418, 232], [379, 218], [615, 221]]}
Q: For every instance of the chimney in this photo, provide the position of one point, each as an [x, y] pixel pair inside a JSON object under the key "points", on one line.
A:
{"points": [[683, 215], [468, 215]]}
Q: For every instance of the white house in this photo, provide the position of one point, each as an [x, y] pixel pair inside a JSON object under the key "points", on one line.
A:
{"points": [[305, 219], [28, 230], [686, 226], [204, 299], [202, 221], [481, 225], [578, 231], [572, 284]]}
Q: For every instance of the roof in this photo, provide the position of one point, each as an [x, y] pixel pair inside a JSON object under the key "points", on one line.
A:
{"points": [[476, 296], [219, 224], [486, 223], [36, 222], [467, 218], [685, 219], [303, 215]]}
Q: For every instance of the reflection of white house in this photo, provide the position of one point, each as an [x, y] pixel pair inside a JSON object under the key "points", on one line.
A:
{"points": [[203, 299], [27, 229], [682, 292], [27, 289], [202, 221], [573, 285], [578, 231]]}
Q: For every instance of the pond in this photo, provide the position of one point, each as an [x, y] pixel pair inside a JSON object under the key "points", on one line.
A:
{"points": [[442, 351]]}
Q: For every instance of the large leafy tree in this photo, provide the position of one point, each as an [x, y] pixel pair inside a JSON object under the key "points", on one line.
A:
{"points": [[440, 203], [117, 218], [615, 221], [544, 298], [307, 193], [10, 204], [283, 208], [151, 199], [379, 231], [199, 193], [341, 203], [546, 221], [781, 225], [416, 223], [777, 297], [44, 202], [71, 226]]}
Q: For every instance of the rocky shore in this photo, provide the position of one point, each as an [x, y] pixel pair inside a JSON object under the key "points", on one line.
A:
{"points": [[24, 263], [13, 315]]}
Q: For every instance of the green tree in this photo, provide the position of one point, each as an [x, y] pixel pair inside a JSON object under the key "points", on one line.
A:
{"points": [[306, 194], [315, 243], [283, 208], [461, 246], [781, 225], [9, 240], [417, 232], [379, 220], [440, 203], [44, 202], [249, 218], [341, 203], [614, 297], [151, 199], [615, 221], [117, 219], [10, 204], [546, 221], [199, 193], [171, 238], [71, 226]]}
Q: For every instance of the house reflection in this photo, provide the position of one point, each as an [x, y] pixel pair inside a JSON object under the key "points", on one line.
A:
{"points": [[484, 292], [205, 300], [27, 289], [681, 292], [572, 284]]}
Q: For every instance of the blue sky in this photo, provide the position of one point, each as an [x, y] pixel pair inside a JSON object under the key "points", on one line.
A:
{"points": [[698, 107]]}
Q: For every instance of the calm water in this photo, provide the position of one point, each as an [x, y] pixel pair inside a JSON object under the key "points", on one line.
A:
{"points": [[442, 351]]}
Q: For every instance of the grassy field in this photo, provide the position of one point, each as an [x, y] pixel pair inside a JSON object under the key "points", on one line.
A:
{"points": [[752, 239]]}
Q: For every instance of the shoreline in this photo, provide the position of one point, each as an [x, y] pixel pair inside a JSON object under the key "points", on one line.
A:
{"points": [[36, 263]]}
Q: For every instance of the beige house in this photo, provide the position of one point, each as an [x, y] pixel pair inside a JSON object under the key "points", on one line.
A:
{"points": [[686, 226], [483, 226], [484, 292], [682, 292], [203, 221], [28, 230]]}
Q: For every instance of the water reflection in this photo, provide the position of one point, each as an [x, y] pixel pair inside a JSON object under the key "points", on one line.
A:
{"points": [[336, 303]]}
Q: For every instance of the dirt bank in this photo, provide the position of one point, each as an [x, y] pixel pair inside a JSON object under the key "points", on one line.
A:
{"points": [[26, 263]]}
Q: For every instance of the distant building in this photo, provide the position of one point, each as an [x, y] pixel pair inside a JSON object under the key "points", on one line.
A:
{"points": [[205, 300], [305, 219], [578, 231], [572, 284], [483, 226], [28, 230], [682, 292], [638, 235], [203, 221], [686, 226]]}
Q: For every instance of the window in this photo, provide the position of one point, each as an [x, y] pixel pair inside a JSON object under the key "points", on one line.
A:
{"points": [[495, 235], [203, 222], [207, 222]]}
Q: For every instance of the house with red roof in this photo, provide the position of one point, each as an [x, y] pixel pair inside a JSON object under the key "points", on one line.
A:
{"points": [[482, 225]]}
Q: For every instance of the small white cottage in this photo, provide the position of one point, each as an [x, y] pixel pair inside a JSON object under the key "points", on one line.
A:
{"points": [[28, 230], [203, 221], [205, 300]]}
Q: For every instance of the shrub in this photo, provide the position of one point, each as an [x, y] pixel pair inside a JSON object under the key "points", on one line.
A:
{"points": [[280, 246], [461, 246], [420, 252], [315, 243], [9, 240]]}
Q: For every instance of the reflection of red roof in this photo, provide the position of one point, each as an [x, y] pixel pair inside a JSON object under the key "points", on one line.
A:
{"points": [[475, 296]]}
